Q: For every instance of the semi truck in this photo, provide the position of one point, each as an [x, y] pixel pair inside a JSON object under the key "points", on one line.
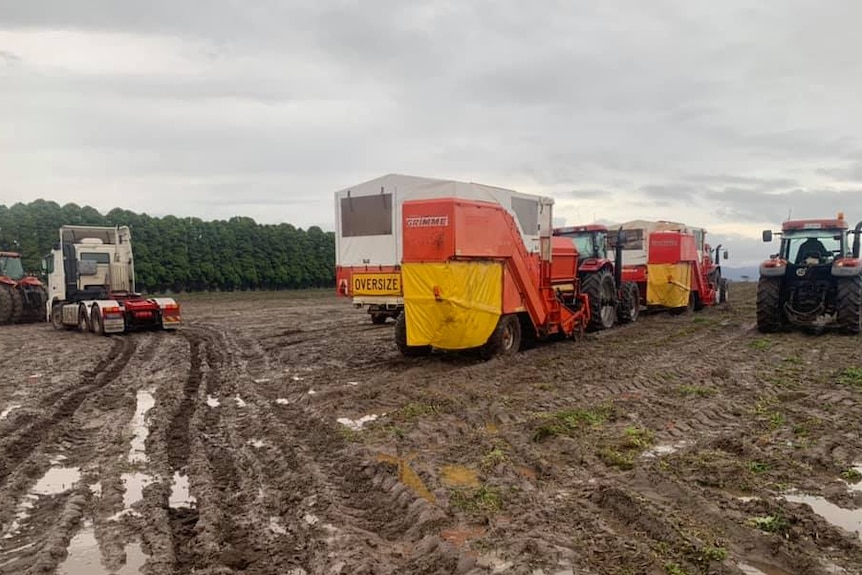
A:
{"points": [[91, 285], [369, 242], [471, 282]]}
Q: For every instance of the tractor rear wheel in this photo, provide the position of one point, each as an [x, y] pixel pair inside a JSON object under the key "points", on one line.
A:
{"points": [[17, 304], [505, 339], [630, 303], [722, 290], [770, 317], [849, 304], [401, 339], [5, 304], [601, 291]]}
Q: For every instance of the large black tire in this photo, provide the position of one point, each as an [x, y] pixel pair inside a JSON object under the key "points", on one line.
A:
{"points": [[770, 316], [849, 304], [17, 305], [378, 318], [630, 303], [601, 291], [505, 339], [722, 290], [35, 311], [57, 316], [97, 325], [83, 320], [5, 304], [401, 339]]}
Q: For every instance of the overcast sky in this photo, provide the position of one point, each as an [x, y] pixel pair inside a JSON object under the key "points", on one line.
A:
{"points": [[727, 115]]}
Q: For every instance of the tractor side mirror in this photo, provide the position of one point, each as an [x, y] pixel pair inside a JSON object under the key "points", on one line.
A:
{"points": [[726, 255], [767, 235]]}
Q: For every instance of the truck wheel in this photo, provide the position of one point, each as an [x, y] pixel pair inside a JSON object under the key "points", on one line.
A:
{"points": [[96, 324], [770, 317], [5, 304], [849, 304], [401, 340], [57, 316], [83, 320], [17, 305], [505, 339], [601, 292], [630, 303]]}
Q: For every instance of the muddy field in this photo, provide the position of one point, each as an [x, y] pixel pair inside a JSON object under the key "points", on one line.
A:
{"points": [[283, 433]]}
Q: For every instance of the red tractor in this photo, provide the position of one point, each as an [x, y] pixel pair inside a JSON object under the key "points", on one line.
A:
{"points": [[611, 299], [22, 297]]}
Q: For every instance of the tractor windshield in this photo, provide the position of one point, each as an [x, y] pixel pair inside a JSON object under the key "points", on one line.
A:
{"points": [[812, 246], [11, 267], [589, 244]]}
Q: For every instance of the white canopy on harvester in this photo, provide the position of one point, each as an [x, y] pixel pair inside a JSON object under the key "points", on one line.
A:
{"points": [[368, 215]]}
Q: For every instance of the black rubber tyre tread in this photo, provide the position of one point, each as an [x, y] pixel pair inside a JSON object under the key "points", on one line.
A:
{"points": [[83, 320], [378, 318], [497, 344], [849, 304], [17, 305], [722, 290], [593, 284], [57, 317], [96, 324], [35, 313], [769, 313], [401, 339], [630, 303], [5, 304]]}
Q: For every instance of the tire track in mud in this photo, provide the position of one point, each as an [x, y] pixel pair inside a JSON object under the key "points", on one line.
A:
{"points": [[15, 448]]}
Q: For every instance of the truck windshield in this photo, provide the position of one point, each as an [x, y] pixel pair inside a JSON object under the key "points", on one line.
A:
{"points": [[11, 268], [810, 245]]}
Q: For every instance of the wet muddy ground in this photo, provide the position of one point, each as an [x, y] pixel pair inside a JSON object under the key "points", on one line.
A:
{"points": [[283, 433]]}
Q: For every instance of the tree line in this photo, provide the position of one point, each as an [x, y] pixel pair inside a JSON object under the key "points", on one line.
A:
{"points": [[185, 254]]}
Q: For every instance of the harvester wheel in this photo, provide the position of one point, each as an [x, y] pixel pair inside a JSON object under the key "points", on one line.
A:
{"points": [[378, 318], [5, 304], [687, 309], [401, 339], [849, 304], [17, 305], [769, 314], [601, 292], [630, 303], [505, 339]]}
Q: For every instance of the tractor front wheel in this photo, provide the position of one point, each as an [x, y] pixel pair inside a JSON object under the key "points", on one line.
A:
{"points": [[601, 291], [505, 339], [770, 317], [849, 304], [630, 303], [401, 339]]}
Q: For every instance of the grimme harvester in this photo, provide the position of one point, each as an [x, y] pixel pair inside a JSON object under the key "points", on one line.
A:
{"points": [[91, 282], [368, 242], [611, 299], [22, 296], [470, 281], [672, 265], [815, 279]]}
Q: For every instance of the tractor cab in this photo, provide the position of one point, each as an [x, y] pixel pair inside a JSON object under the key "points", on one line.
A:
{"points": [[11, 266], [591, 241]]}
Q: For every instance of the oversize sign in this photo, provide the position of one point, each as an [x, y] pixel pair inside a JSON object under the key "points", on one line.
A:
{"points": [[376, 284]]}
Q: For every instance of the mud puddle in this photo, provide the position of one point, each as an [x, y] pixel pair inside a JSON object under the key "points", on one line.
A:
{"points": [[134, 484], [180, 496], [358, 424], [5, 413], [57, 480], [664, 449], [213, 401], [758, 568], [848, 519], [145, 401], [84, 556]]}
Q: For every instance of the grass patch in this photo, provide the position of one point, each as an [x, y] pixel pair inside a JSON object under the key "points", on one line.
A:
{"points": [[695, 391], [638, 438], [483, 499], [776, 419], [794, 360], [415, 409], [760, 344], [710, 553], [851, 475], [494, 458], [568, 421], [673, 569], [617, 458], [703, 321], [757, 467], [851, 376], [769, 523]]}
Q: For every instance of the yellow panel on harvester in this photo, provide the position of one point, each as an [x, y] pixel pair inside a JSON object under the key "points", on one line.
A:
{"points": [[668, 285], [452, 305]]}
